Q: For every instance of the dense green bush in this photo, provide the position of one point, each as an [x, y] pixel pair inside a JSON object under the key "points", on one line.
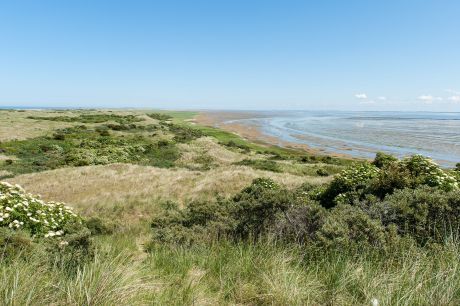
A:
{"points": [[348, 227], [99, 226], [256, 208], [300, 223], [355, 183], [248, 214], [158, 116], [382, 160], [349, 184], [426, 213], [363, 207]]}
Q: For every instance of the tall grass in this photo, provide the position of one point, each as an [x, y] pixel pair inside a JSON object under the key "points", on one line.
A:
{"points": [[269, 274], [225, 273]]}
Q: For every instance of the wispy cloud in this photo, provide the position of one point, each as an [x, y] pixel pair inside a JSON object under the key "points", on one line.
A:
{"points": [[382, 98], [361, 96], [428, 99]]}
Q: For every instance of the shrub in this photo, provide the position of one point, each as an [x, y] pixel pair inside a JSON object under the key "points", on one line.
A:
{"points": [[424, 171], [322, 172], [98, 226], [19, 210], [14, 243], [382, 160], [352, 180], [197, 223], [300, 224], [256, 208], [348, 227], [425, 213], [158, 116], [248, 214], [261, 164], [355, 183], [391, 177], [73, 249]]}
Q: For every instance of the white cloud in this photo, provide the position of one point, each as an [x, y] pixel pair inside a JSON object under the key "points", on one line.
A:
{"points": [[428, 99], [361, 96], [382, 98], [455, 99]]}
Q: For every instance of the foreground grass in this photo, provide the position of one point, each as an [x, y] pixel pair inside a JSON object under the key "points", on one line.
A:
{"points": [[262, 273]]}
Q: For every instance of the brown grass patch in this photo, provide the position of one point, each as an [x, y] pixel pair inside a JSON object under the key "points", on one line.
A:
{"points": [[136, 190]]}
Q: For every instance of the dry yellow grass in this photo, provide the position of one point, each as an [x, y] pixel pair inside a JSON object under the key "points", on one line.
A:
{"points": [[206, 148], [136, 189], [16, 125]]}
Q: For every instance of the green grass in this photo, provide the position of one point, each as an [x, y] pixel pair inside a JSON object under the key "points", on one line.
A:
{"points": [[262, 273]]}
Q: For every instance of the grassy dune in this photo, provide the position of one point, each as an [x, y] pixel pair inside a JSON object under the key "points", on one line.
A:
{"points": [[125, 271]]}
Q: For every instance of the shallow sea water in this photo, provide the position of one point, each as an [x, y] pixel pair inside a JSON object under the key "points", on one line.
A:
{"points": [[362, 134]]}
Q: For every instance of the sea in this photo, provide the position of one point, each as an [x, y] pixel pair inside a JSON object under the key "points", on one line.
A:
{"points": [[362, 134]]}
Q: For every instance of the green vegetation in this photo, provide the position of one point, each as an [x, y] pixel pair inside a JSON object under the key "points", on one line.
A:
{"points": [[92, 118], [261, 164], [82, 146], [386, 230]]}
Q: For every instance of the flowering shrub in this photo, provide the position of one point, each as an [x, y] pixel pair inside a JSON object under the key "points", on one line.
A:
{"points": [[348, 182], [427, 172], [20, 210]]}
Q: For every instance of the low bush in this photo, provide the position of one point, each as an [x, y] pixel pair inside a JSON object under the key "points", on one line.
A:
{"points": [[248, 214], [73, 249], [158, 116], [382, 160], [299, 224], [14, 243], [80, 146], [426, 213], [261, 164], [91, 118], [350, 228], [99, 226]]}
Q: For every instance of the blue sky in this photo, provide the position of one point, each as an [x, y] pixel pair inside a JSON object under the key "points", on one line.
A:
{"points": [[353, 55]]}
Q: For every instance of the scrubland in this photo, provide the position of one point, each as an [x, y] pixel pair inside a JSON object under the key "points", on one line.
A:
{"points": [[172, 213]]}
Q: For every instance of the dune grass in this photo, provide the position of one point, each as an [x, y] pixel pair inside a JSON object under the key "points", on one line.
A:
{"points": [[261, 273]]}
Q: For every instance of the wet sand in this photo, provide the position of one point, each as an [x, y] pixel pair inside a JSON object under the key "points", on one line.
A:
{"points": [[253, 132]]}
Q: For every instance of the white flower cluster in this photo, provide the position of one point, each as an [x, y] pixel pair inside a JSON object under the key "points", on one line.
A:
{"points": [[356, 176], [20, 210], [430, 172]]}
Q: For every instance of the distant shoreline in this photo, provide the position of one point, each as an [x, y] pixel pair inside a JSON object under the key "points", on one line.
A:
{"points": [[254, 133], [274, 128]]}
